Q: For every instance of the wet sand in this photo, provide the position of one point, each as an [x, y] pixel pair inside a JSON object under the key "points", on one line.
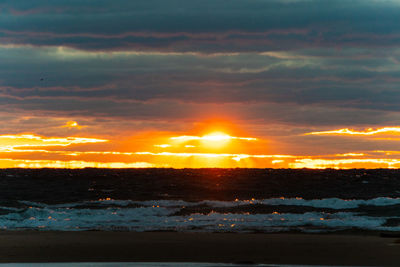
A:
{"points": [[328, 249]]}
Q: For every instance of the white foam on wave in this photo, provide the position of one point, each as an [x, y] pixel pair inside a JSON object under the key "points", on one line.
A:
{"points": [[155, 216], [332, 203]]}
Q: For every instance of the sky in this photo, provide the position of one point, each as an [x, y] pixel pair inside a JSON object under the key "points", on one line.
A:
{"points": [[211, 83]]}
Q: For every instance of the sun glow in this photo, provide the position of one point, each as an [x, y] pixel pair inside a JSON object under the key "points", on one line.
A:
{"points": [[213, 140], [236, 157], [215, 146], [215, 136]]}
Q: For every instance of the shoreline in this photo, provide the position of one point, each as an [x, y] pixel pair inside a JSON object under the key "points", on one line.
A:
{"points": [[278, 248]]}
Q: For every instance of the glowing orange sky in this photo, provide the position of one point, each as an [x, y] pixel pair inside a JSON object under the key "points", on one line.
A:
{"points": [[213, 146]]}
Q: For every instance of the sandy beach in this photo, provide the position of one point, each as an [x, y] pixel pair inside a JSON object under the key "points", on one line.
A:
{"points": [[96, 246]]}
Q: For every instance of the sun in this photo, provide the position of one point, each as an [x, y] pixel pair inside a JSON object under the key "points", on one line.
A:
{"points": [[215, 140], [212, 140], [216, 136]]}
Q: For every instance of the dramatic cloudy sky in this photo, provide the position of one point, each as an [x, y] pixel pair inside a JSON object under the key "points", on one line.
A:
{"points": [[113, 83]]}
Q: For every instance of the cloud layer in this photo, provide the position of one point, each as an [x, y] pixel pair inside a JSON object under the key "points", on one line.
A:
{"points": [[278, 69], [208, 26]]}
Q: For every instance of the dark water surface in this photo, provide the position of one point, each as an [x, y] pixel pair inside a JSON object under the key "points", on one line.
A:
{"points": [[222, 200], [66, 185]]}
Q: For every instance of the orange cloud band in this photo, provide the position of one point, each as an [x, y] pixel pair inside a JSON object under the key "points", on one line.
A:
{"points": [[370, 131], [70, 164]]}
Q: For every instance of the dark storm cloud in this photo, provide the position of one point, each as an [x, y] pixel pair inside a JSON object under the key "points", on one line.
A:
{"points": [[322, 78], [290, 62], [209, 26], [162, 110]]}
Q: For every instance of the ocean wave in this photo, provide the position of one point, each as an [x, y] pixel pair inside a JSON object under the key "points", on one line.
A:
{"points": [[331, 203], [109, 214]]}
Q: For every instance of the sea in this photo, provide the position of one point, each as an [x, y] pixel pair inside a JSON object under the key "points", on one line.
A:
{"points": [[200, 200]]}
